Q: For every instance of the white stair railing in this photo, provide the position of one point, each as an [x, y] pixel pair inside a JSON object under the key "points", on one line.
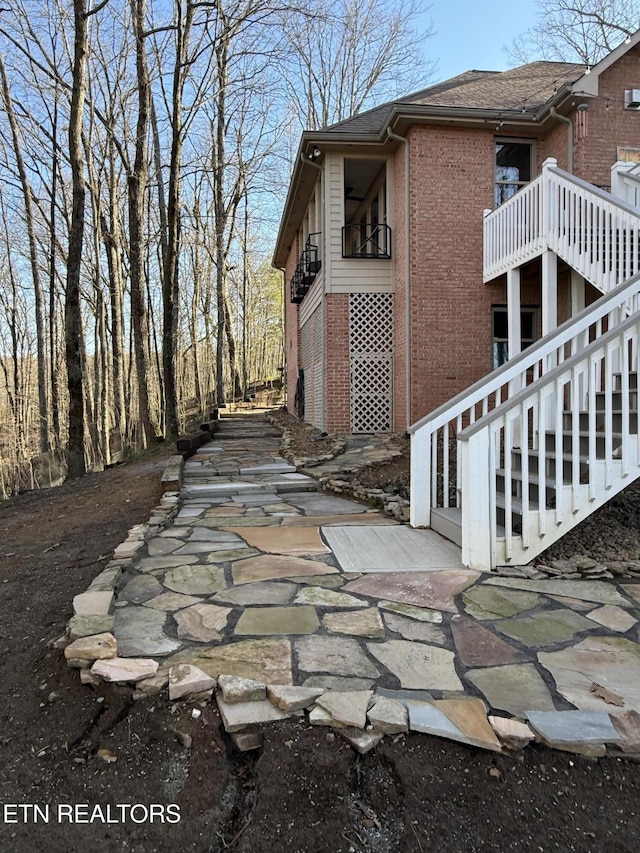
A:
{"points": [[595, 233], [436, 467], [625, 182], [528, 484]]}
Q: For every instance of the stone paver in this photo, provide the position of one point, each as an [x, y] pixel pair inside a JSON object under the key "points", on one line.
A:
{"points": [[259, 621], [195, 580], [320, 597], [545, 628], [187, 680], [348, 708], [97, 647], [611, 662], [267, 592], [239, 715], [488, 602], [251, 575], [388, 716], [598, 591], [295, 541], [614, 618], [140, 589], [356, 623], [266, 660], [410, 629], [416, 666], [271, 566], [202, 623], [435, 591], [125, 669], [140, 632], [478, 646], [334, 655], [236, 689], [571, 727], [293, 698], [515, 688]]}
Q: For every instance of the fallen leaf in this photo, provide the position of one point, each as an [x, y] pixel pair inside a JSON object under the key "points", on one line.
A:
{"points": [[609, 697], [495, 773], [107, 755]]}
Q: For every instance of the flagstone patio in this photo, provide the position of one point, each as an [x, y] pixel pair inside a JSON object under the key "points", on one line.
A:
{"points": [[253, 572]]}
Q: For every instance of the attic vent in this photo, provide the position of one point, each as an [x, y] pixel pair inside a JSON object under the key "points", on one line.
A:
{"points": [[632, 99]]}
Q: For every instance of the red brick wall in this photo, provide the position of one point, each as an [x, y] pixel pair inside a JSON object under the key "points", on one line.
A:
{"points": [[609, 124], [452, 177], [556, 145], [337, 359]]}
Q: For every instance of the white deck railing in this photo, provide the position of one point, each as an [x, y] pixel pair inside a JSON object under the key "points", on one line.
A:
{"points": [[436, 469], [595, 233]]}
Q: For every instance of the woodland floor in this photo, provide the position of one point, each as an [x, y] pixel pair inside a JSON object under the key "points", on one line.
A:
{"points": [[305, 790]]}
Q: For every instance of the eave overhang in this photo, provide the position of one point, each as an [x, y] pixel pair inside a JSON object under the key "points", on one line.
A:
{"points": [[400, 118]]}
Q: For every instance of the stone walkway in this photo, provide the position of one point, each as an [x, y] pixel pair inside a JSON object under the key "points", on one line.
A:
{"points": [[286, 600]]}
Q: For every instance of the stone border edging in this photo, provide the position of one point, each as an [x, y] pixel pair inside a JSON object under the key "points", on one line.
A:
{"points": [[394, 505]]}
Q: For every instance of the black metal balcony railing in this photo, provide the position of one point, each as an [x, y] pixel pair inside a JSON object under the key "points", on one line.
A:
{"points": [[366, 240], [306, 271]]}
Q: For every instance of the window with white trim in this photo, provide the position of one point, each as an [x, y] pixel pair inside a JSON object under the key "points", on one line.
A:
{"points": [[500, 331], [513, 167]]}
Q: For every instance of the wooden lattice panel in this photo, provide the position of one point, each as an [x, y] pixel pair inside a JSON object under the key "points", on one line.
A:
{"points": [[371, 361]]}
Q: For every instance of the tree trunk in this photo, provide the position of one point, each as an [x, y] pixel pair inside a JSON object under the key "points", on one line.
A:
{"points": [[137, 190], [33, 258], [170, 272], [220, 214], [73, 318]]}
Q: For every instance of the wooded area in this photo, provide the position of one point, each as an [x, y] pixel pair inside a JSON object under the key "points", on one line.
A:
{"points": [[145, 147], [145, 151]]}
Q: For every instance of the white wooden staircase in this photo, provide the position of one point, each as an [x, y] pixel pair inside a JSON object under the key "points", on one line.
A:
{"points": [[515, 461]]}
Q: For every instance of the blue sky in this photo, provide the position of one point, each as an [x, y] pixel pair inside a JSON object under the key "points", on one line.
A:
{"points": [[472, 33]]}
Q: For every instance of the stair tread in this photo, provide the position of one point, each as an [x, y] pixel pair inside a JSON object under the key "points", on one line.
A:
{"points": [[453, 515]]}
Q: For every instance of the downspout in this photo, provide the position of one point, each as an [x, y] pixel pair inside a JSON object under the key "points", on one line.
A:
{"points": [[570, 139], [407, 263]]}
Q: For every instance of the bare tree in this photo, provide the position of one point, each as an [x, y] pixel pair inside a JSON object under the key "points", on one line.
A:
{"points": [[577, 30], [345, 54], [33, 258]]}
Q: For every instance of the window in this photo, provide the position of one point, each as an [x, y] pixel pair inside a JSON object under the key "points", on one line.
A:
{"points": [[528, 331], [513, 167]]}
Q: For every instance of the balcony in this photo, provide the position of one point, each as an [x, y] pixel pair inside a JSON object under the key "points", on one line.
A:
{"points": [[366, 240], [306, 271]]}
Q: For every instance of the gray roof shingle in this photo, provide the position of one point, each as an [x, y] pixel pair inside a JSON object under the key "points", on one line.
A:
{"points": [[527, 87]]}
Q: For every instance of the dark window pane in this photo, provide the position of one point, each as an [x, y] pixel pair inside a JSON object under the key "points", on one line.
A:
{"points": [[527, 325], [500, 326], [513, 161]]}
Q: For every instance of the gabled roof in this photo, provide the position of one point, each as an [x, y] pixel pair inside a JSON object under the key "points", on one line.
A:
{"points": [[527, 87], [518, 99]]}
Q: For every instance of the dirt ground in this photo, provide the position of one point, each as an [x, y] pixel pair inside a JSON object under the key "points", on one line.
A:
{"points": [[110, 774]]}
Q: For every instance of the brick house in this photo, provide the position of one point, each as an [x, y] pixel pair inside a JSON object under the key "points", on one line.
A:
{"points": [[442, 236]]}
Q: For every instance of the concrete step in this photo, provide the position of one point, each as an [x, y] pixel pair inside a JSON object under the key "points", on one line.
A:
{"points": [[447, 521]]}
